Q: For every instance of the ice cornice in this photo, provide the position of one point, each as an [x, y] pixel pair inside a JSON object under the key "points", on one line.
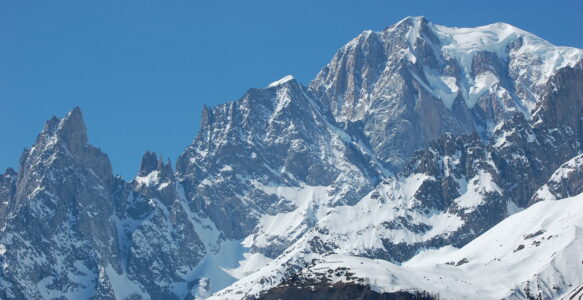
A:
{"points": [[281, 81]]}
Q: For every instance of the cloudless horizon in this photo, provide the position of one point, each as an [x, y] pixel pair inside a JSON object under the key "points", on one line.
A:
{"points": [[141, 70]]}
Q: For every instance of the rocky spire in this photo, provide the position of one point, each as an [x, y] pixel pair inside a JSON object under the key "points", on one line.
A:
{"points": [[7, 190], [151, 163], [10, 172], [69, 131], [73, 131], [206, 116], [62, 143]]}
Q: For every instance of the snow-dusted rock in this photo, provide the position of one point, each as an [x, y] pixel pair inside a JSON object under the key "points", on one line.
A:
{"points": [[566, 181], [413, 138], [258, 157]]}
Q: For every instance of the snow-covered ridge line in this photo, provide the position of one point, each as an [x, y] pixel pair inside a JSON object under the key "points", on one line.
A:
{"points": [[530, 253], [281, 81]]}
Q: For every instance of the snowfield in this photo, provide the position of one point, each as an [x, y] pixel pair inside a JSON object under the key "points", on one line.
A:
{"points": [[539, 249]]}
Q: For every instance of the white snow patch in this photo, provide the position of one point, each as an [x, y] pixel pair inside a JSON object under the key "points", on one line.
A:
{"points": [[122, 286], [475, 190], [483, 83], [288, 225], [251, 263], [216, 265], [281, 81], [512, 208], [226, 168], [443, 87], [148, 180], [202, 289]]}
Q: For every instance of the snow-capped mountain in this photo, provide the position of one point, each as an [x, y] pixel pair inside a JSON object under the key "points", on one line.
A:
{"points": [[449, 194], [414, 81], [418, 159]]}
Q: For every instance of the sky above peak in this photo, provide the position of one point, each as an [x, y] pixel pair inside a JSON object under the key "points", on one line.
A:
{"points": [[141, 70]]}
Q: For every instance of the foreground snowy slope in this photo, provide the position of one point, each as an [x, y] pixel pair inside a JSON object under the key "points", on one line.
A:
{"points": [[534, 252]]}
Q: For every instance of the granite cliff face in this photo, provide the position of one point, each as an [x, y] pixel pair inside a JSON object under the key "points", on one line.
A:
{"points": [[414, 81], [413, 138]]}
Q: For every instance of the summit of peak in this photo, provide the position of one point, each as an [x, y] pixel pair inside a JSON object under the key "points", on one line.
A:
{"points": [[414, 19], [410, 21], [74, 113], [72, 128], [149, 163], [281, 81], [152, 162], [69, 130], [74, 118], [10, 172]]}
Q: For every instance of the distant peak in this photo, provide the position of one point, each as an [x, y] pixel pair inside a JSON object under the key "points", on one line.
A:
{"points": [[415, 18], [151, 162], [72, 127], [10, 172], [74, 116], [69, 130], [75, 113], [281, 81], [205, 116], [412, 21]]}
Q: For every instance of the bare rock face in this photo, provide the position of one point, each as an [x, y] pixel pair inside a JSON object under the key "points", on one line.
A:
{"points": [[414, 81], [7, 191], [529, 152], [373, 80], [562, 101]]}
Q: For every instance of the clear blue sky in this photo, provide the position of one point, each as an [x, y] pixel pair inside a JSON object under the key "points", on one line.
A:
{"points": [[141, 70]]}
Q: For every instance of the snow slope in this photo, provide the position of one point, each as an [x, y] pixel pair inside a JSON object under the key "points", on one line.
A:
{"points": [[540, 248], [536, 251]]}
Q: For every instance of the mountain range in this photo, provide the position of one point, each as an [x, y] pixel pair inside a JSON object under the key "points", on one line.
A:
{"points": [[422, 162]]}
